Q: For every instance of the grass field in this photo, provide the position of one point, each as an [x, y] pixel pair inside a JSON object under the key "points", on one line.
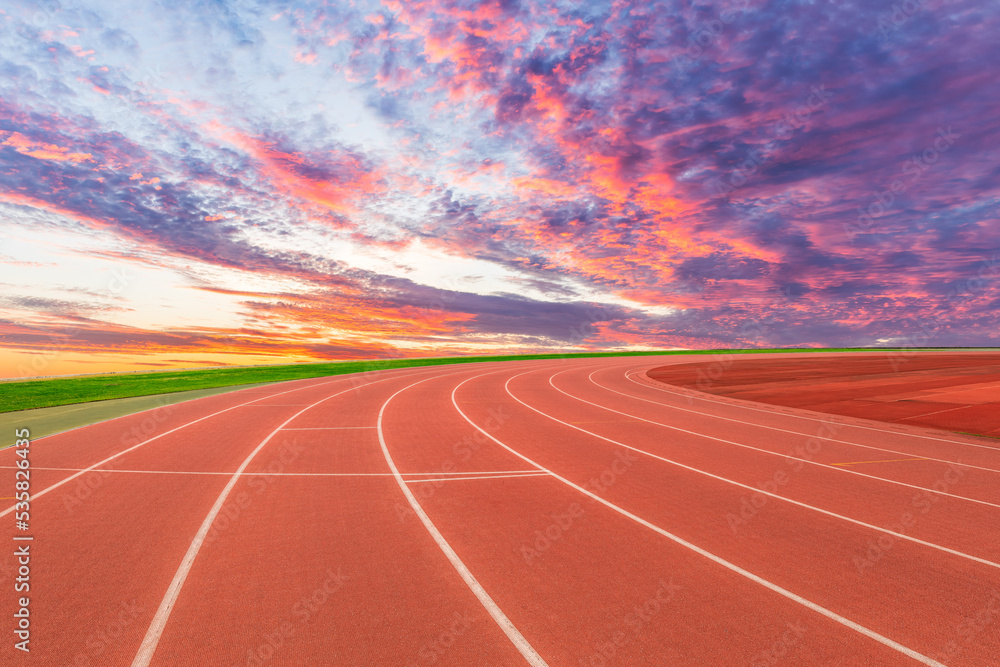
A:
{"points": [[49, 392]]}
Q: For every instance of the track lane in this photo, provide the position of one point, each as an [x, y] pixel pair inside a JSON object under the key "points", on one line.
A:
{"points": [[534, 435], [524, 648], [104, 554], [739, 411], [610, 588], [829, 443], [578, 603], [396, 596], [782, 414], [650, 412], [104, 542], [162, 616], [955, 578], [950, 393], [823, 487], [108, 440]]}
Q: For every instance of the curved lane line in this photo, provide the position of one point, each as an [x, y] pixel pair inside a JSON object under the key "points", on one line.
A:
{"points": [[785, 430], [157, 437], [954, 552], [834, 466], [159, 622], [494, 610], [919, 657], [462, 479], [702, 396]]}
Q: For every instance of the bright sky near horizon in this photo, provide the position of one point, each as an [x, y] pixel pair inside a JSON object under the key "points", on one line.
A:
{"points": [[209, 182]]}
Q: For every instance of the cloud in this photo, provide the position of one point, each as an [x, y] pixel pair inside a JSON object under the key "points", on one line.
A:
{"points": [[826, 172]]}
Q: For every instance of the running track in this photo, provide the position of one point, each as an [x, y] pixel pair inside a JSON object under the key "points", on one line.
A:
{"points": [[554, 512]]}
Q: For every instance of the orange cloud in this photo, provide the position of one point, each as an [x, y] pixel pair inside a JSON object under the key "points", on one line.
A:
{"points": [[44, 151], [546, 185], [333, 185]]}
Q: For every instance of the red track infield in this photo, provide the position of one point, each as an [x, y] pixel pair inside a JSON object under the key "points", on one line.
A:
{"points": [[569, 512], [956, 392]]}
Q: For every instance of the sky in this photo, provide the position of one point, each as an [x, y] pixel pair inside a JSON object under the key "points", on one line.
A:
{"points": [[192, 183]]}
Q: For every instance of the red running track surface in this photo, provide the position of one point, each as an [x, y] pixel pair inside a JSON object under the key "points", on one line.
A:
{"points": [[946, 390], [568, 512]]}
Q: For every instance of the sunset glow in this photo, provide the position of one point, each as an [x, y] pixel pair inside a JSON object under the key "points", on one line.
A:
{"points": [[192, 184]]}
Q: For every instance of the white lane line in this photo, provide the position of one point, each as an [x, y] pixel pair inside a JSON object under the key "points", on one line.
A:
{"points": [[157, 437], [755, 489], [326, 428], [701, 396], [470, 472], [476, 474], [808, 435], [457, 479], [491, 607], [159, 622], [154, 472], [936, 412], [758, 449], [279, 405], [716, 559]]}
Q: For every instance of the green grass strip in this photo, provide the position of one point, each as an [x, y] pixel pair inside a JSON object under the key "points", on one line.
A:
{"points": [[50, 392]]}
